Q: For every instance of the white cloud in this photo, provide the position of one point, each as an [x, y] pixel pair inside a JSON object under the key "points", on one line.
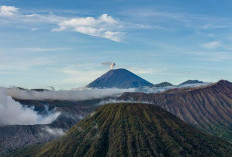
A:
{"points": [[108, 19], [217, 44], [104, 26], [212, 45], [54, 131], [34, 29], [8, 10], [100, 27], [13, 113]]}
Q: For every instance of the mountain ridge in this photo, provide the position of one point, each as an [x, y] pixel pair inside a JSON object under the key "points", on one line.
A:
{"points": [[163, 84], [208, 108], [190, 82]]}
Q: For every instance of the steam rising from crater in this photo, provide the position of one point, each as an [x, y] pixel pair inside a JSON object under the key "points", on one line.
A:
{"points": [[109, 64]]}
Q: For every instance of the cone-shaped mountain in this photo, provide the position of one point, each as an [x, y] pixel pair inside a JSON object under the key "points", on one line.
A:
{"points": [[127, 129], [119, 78]]}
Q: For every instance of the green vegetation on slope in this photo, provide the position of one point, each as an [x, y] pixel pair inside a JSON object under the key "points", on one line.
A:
{"points": [[132, 130]]}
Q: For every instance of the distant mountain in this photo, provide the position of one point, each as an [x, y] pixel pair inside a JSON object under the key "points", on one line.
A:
{"points": [[163, 84], [190, 82], [37, 90], [119, 78], [207, 107], [40, 90], [128, 129]]}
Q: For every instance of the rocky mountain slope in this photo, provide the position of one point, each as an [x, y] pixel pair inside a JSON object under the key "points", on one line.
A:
{"points": [[208, 108], [127, 129]]}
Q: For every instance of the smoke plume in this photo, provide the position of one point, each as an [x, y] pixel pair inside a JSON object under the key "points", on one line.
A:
{"points": [[109, 64]]}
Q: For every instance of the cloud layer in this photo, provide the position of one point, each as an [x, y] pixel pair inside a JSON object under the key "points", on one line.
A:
{"points": [[78, 94], [85, 93], [13, 113]]}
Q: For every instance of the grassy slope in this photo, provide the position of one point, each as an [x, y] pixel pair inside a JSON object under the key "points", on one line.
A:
{"points": [[132, 130]]}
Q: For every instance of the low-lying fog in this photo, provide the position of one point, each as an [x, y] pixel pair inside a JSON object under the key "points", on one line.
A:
{"points": [[14, 113]]}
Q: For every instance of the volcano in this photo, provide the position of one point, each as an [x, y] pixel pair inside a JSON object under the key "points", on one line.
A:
{"points": [[130, 129], [119, 78]]}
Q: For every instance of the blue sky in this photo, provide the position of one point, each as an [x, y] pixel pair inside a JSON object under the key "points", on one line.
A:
{"points": [[62, 43]]}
